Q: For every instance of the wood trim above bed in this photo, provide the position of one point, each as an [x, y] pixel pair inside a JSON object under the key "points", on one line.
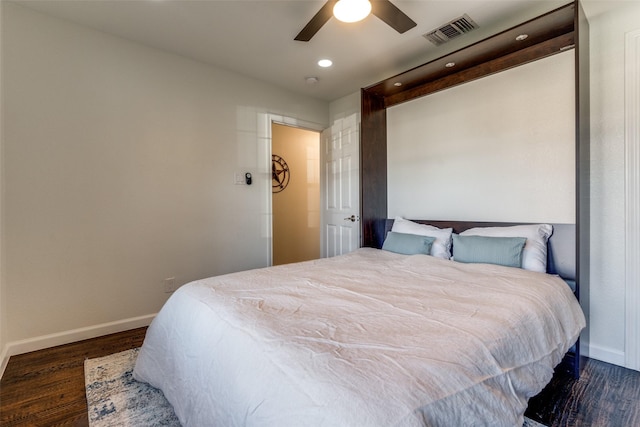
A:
{"points": [[548, 34]]}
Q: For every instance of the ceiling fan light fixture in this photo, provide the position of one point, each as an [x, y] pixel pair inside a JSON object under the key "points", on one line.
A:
{"points": [[351, 10]]}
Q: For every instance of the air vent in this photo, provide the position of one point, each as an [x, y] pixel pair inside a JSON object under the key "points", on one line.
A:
{"points": [[451, 30]]}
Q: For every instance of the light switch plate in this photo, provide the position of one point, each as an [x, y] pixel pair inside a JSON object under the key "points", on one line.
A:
{"points": [[238, 178]]}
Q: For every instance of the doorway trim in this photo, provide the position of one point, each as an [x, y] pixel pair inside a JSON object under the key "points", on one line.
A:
{"points": [[269, 120]]}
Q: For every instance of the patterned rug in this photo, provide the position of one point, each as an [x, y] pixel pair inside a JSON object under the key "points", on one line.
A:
{"points": [[114, 398]]}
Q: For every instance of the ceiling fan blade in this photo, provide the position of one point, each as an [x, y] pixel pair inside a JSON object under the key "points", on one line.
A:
{"points": [[393, 16], [319, 19]]}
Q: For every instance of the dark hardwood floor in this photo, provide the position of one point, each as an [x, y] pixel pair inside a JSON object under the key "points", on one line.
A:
{"points": [[46, 388], [605, 395]]}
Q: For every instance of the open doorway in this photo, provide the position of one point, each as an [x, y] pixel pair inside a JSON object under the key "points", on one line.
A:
{"points": [[295, 194]]}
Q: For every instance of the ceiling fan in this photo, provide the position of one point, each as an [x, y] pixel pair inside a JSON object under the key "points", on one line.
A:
{"points": [[383, 9]]}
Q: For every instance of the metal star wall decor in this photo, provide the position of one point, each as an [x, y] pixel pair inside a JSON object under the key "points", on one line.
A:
{"points": [[280, 173]]}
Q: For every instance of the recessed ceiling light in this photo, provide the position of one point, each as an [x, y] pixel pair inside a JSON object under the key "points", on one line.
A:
{"points": [[450, 64], [311, 80], [324, 63], [522, 37]]}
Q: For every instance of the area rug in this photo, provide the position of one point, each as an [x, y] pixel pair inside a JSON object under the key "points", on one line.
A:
{"points": [[114, 398]]}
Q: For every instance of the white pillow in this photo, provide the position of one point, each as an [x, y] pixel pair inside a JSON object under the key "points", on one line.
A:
{"points": [[441, 247], [534, 255]]}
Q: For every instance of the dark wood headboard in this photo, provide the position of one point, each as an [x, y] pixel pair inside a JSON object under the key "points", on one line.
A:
{"points": [[561, 255]]}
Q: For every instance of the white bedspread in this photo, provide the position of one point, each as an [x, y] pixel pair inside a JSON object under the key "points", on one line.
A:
{"points": [[371, 338]]}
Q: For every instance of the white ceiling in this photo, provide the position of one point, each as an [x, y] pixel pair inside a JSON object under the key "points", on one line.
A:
{"points": [[256, 37]]}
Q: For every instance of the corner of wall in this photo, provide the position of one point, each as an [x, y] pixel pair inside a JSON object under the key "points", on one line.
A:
{"points": [[3, 347], [4, 360], [632, 185]]}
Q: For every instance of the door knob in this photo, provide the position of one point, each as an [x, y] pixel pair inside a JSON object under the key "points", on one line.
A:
{"points": [[352, 218]]}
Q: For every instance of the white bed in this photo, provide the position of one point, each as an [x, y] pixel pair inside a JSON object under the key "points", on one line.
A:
{"points": [[371, 338]]}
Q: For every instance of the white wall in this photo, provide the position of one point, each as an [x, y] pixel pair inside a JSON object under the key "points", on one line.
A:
{"points": [[345, 106], [501, 148], [608, 234], [118, 172]]}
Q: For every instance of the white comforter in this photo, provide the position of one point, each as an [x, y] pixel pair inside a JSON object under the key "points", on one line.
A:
{"points": [[371, 338]]}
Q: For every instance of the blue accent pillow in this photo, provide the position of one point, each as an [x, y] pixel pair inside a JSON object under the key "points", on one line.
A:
{"points": [[408, 244], [505, 251]]}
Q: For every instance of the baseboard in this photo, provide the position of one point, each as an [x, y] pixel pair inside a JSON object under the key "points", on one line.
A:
{"points": [[608, 355], [4, 359], [39, 343]]}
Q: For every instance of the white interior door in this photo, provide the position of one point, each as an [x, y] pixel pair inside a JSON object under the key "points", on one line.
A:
{"points": [[340, 187]]}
